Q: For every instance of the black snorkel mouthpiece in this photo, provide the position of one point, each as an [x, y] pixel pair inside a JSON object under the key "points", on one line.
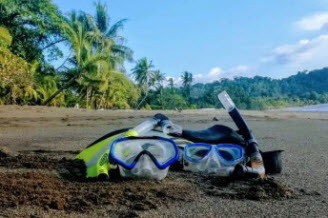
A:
{"points": [[252, 146]]}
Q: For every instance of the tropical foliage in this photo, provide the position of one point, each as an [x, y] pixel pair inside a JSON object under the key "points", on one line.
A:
{"points": [[16, 79], [248, 93], [265, 93], [92, 75]]}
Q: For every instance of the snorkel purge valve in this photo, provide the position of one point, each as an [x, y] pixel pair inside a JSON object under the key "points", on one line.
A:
{"points": [[256, 168]]}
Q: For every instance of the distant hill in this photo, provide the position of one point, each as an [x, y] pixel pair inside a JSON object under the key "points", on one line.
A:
{"points": [[259, 92]]}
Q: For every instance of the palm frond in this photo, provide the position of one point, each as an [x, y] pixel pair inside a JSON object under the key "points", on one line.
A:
{"points": [[113, 30], [101, 17]]}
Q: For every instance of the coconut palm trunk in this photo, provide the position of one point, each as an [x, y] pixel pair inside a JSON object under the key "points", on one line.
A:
{"points": [[142, 100], [60, 90]]}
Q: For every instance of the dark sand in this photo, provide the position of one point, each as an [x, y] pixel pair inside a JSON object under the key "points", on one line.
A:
{"points": [[37, 145]]}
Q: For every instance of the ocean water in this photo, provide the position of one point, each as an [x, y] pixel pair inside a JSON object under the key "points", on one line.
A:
{"points": [[311, 108]]}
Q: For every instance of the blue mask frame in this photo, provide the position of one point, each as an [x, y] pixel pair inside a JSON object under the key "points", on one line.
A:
{"points": [[134, 162], [216, 147]]}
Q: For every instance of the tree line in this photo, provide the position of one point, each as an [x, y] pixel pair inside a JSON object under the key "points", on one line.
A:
{"points": [[90, 53]]}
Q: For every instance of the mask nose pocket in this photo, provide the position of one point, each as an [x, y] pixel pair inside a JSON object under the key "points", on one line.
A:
{"points": [[213, 163], [145, 169], [212, 166], [144, 166]]}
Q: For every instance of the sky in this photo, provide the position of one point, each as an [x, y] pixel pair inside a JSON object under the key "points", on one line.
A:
{"points": [[217, 39]]}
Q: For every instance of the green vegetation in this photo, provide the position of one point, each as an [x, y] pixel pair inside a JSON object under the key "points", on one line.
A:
{"points": [[33, 34], [16, 79], [265, 93], [91, 74]]}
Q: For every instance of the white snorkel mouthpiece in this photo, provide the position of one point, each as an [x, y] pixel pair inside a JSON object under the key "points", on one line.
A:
{"points": [[226, 101]]}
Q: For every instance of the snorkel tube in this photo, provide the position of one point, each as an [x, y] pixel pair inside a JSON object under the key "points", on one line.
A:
{"points": [[256, 168], [151, 123]]}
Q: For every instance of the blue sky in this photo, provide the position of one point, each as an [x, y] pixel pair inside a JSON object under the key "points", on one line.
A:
{"points": [[221, 38]]}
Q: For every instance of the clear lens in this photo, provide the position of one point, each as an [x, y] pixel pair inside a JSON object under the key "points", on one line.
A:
{"points": [[197, 152], [230, 153], [128, 150]]}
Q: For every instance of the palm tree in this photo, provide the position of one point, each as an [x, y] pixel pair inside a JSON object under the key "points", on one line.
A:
{"points": [[46, 86], [96, 49], [171, 83], [143, 74], [187, 79], [157, 79], [110, 34], [84, 58]]}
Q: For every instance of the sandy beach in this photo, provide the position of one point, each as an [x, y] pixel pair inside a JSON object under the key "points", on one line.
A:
{"points": [[37, 143]]}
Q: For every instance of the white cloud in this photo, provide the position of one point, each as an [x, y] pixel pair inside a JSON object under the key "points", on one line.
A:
{"points": [[216, 73], [176, 80], [316, 22], [304, 41], [307, 54]]}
